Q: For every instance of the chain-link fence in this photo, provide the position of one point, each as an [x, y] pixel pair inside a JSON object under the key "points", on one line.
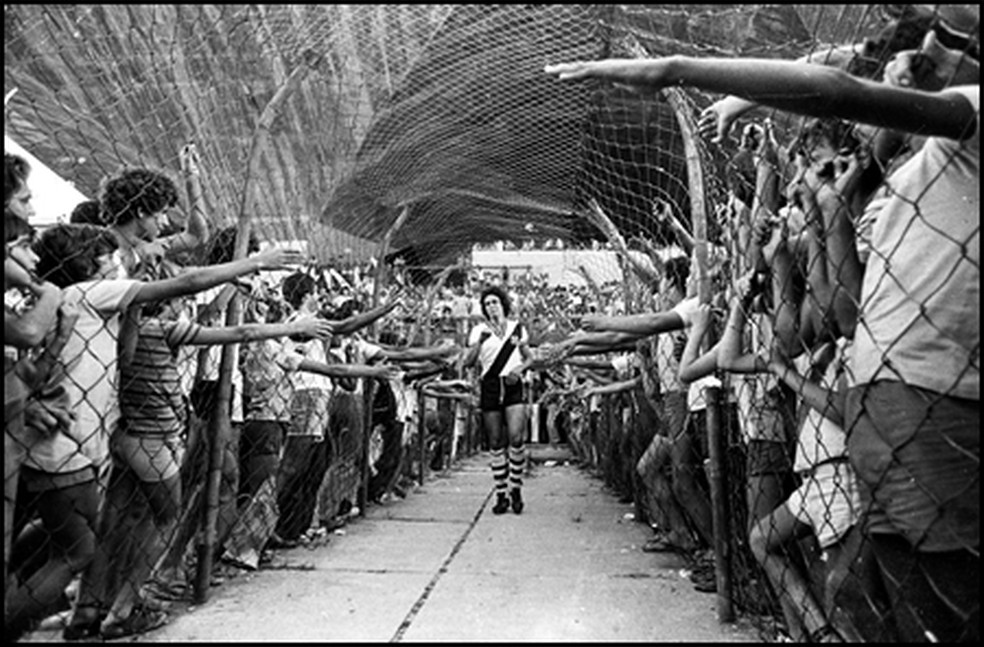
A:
{"points": [[800, 417]]}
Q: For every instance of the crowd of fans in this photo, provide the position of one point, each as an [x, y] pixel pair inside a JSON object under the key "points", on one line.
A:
{"points": [[836, 331], [857, 261], [112, 375]]}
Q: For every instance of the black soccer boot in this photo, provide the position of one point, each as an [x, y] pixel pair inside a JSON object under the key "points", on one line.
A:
{"points": [[501, 503], [517, 500]]}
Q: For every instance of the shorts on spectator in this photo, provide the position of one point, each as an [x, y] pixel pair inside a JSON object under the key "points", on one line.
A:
{"points": [[151, 458], [767, 458], [263, 437], [37, 481], [917, 457], [828, 500], [205, 395]]}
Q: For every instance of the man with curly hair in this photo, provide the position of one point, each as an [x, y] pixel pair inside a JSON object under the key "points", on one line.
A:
{"points": [[135, 204]]}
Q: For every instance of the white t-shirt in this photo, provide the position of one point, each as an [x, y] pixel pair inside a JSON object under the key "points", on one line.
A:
{"points": [[920, 299], [91, 377], [491, 346], [316, 351]]}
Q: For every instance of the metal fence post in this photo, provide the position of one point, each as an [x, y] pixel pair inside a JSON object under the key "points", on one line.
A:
{"points": [[421, 431], [369, 392]]}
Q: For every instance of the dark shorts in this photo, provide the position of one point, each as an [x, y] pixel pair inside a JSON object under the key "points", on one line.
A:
{"points": [[767, 458], [917, 458], [204, 395], [37, 481], [497, 395], [263, 437]]}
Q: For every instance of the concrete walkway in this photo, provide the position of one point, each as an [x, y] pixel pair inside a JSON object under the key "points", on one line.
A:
{"points": [[439, 566]]}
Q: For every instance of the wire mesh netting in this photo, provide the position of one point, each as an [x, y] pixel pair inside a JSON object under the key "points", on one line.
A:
{"points": [[196, 400]]}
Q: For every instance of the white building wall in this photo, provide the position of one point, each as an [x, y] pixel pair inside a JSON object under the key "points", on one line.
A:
{"points": [[561, 266], [53, 197]]}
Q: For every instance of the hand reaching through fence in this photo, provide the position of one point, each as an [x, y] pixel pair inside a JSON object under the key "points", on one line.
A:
{"points": [[277, 258]]}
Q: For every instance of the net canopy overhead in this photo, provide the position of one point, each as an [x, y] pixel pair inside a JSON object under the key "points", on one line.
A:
{"points": [[438, 112]]}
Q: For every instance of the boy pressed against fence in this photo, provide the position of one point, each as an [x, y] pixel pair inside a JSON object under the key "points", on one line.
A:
{"points": [[35, 325], [61, 470], [149, 452]]}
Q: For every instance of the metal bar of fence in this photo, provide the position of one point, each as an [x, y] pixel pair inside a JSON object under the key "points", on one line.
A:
{"points": [[220, 430], [719, 485], [221, 426], [421, 430], [369, 392], [718, 479]]}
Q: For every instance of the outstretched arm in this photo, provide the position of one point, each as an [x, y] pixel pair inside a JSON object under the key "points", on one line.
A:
{"points": [[718, 118], [307, 325], [592, 343], [648, 323], [343, 370], [802, 88], [614, 387], [203, 278], [361, 320], [420, 353]]}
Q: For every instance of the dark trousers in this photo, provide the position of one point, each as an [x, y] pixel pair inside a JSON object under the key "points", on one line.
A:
{"points": [[302, 469]]}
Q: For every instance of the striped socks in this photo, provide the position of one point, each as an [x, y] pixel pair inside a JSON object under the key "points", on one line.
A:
{"points": [[500, 470], [517, 465]]}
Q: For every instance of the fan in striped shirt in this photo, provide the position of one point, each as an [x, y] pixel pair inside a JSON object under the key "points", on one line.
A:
{"points": [[149, 447]]}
